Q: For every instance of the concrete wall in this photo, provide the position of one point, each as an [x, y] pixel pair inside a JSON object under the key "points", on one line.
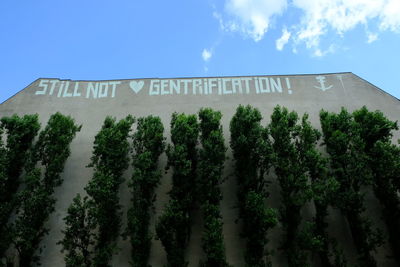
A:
{"points": [[89, 102]]}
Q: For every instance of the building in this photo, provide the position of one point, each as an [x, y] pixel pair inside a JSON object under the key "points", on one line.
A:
{"points": [[89, 102]]}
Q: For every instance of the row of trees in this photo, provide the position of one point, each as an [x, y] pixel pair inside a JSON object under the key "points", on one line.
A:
{"points": [[195, 173], [303, 177], [44, 161], [360, 152], [355, 142]]}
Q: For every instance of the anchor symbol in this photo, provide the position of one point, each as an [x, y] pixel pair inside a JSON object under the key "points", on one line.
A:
{"points": [[321, 80]]}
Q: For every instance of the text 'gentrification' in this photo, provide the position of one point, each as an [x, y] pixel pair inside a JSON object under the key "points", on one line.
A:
{"points": [[161, 87]]}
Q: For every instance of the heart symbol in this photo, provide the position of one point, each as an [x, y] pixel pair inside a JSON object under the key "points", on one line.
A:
{"points": [[136, 86]]}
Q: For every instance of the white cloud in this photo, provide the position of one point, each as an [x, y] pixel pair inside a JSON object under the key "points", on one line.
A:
{"points": [[206, 54], [321, 16], [318, 18], [320, 53], [253, 17], [283, 40], [372, 37], [218, 17], [390, 17]]}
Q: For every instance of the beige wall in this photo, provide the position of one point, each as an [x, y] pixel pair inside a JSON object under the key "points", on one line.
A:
{"points": [[303, 93]]}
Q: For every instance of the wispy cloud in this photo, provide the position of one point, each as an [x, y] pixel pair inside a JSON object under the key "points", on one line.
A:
{"points": [[317, 19], [253, 17], [206, 54], [320, 53], [321, 16], [390, 17], [372, 37], [283, 40]]}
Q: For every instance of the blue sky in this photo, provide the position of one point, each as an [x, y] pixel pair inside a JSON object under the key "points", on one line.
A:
{"points": [[122, 39]]}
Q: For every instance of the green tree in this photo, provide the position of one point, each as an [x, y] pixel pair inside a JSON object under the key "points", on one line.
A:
{"points": [[5, 239], [172, 229], [36, 206], [252, 153], [36, 202], [79, 234], [324, 188], [290, 146], [109, 161], [349, 164], [173, 226], [211, 164], [148, 144], [384, 160], [20, 132]]}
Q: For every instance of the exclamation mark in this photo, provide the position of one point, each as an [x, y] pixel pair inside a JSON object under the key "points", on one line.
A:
{"points": [[288, 86]]}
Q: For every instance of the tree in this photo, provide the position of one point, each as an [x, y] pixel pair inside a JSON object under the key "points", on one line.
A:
{"points": [[148, 144], [349, 164], [384, 161], [290, 146], [36, 206], [36, 202], [324, 188], [173, 226], [211, 164], [252, 153], [20, 132], [79, 234], [93, 225], [109, 160], [4, 240]]}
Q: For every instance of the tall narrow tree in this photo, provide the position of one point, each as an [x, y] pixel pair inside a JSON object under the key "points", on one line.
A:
{"points": [[384, 160], [4, 238], [109, 161], [211, 164], [93, 224], [79, 235], [349, 164], [36, 200], [20, 132], [324, 188], [291, 170], [148, 144], [252, 154], [173, 226]]}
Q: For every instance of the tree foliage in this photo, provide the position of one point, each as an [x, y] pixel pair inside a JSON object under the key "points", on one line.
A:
{"points": [[292, 143], [384, 161], [349, 164], [252, 153], [361, 155], [324, 188], [36, 201], [109, 160], [20, 132], [79, 235], [148, 144], [93, 225], [173, 226], [211, 164]]}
